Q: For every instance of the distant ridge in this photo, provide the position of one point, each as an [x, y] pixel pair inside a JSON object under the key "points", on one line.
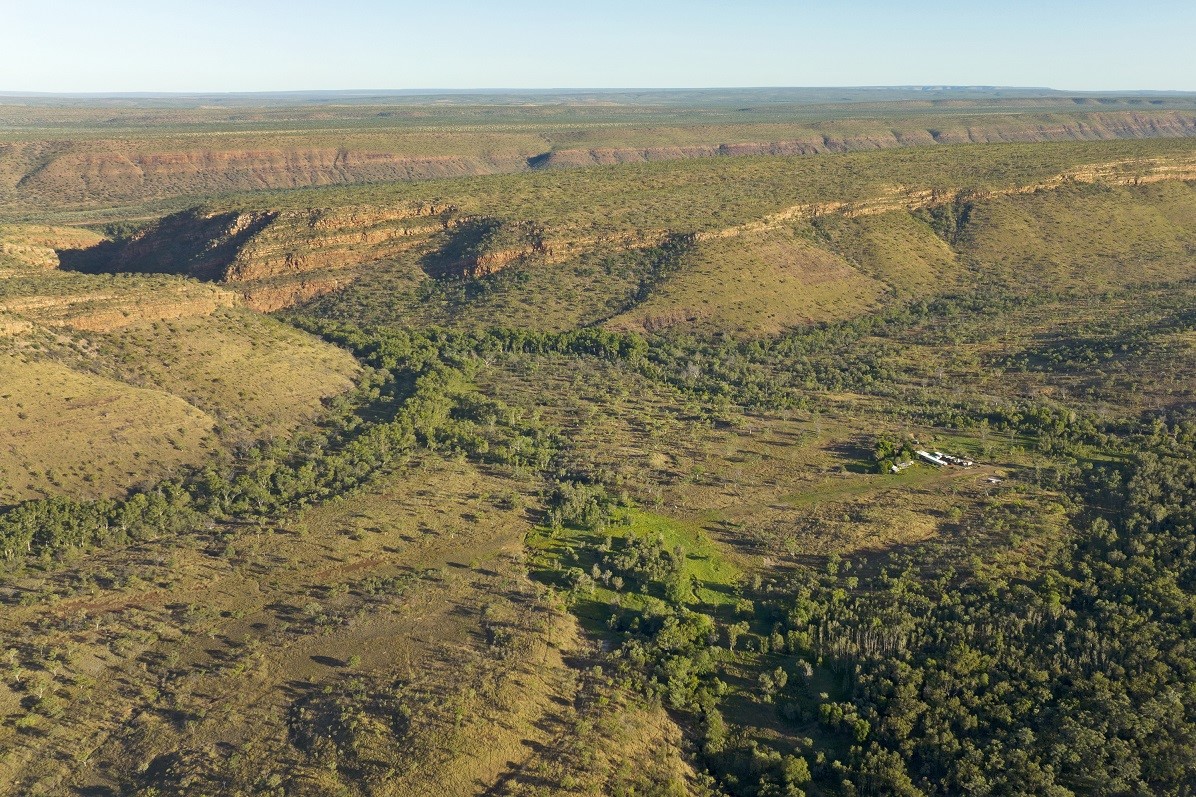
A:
{"points": [[659, 96]]}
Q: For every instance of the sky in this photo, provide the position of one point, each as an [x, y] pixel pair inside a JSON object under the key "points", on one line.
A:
{"points": [[281, 45]]}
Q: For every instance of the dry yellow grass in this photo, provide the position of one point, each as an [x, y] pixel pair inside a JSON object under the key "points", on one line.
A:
{"points": [[392, 588], [111, 381], [87, 435], [1086, 236], [896, 249], [757, 285], [257, 376]]}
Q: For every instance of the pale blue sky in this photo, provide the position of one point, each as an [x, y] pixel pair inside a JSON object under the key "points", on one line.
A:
{"points": [[271, 45]]}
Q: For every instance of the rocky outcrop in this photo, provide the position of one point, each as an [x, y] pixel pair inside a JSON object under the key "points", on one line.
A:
{"points": [[159, 306], [105, 311], [191, 243], [481, 246], [830, 138], [319, 239], [272, 259], [58, 300], [1136, 172], [119, 173], [11, 326], [53, 174], [243, 247], [28, 255], [36, 246], [270, 295]]}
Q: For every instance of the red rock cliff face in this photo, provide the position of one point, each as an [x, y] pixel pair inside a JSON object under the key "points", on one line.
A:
{"points": [[278, 258], [192, 243], [1000, 129], [118, 175], [243, 247], [269, 295], [105, 311], [299, 242], [58, 173]]}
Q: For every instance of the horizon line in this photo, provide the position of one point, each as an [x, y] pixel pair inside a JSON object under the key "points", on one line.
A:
{"points": [[491, 90]]}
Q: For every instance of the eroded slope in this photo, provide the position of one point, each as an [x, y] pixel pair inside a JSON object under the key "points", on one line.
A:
{"points": [[111, 381]]}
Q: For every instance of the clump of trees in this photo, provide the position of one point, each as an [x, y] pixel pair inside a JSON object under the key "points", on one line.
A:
{"points": [[1072, 679], [416, 394], [887, 452]]}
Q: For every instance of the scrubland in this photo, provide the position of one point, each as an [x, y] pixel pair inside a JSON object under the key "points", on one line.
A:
{"points": [[604, 479]]}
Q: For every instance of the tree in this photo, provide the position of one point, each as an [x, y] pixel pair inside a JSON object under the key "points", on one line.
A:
{"points": [[734, 632]]}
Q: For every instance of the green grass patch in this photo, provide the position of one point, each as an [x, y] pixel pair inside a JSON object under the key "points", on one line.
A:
{"points": [[575, 560]]}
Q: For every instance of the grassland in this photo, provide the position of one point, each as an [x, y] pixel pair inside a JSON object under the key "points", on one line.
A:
{"points": [[91, 415], [254, 375], [756, 284], [290, 622], [81, 434], [619, 515], [113, 381]]}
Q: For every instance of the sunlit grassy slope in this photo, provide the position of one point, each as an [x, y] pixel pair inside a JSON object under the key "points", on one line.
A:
{"points": [[757, 283], [778, 243], [72, 432], [92, 414], [111, 381]]}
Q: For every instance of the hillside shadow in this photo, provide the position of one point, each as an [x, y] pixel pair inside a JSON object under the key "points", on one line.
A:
{"points": [[187, 243], [96, 259], [462, 247]]}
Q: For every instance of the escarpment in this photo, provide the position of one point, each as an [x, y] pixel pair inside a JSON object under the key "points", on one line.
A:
{"points": [[270, 256], [269, 295], [36, 292], [479, 247], [275, 258], [117, 171], [311, 240], [191, 243], [836, 137], [102, 172], [87, 309]]}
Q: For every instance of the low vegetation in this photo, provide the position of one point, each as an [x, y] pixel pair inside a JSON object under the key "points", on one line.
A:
{"points": [[610, 484]]}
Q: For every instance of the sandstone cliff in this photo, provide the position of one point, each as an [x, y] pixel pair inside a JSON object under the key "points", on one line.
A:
{"points": [[119, 173], [273, 259], [36, 246], [123, 305], [835, 137], [53, 174], [278, 258]]}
